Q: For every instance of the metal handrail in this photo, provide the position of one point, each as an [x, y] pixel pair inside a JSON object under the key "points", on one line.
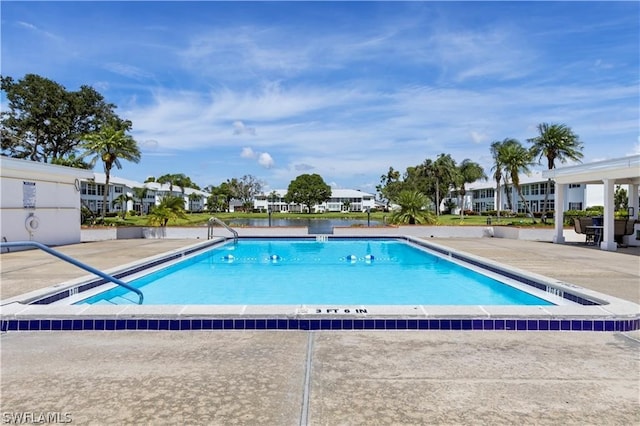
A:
{"points": [[221, 223], [74, 262]]}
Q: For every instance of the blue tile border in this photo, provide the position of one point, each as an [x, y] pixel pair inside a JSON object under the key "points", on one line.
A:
{"points": [[313, 324]]}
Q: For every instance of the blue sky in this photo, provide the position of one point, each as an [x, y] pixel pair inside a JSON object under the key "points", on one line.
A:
{"points": [[217, 90]]}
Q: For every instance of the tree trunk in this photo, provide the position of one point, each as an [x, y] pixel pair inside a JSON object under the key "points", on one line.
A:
{"points": [[107, 174], [526, 205], [507, 191], [437, 198], [498, 199]]}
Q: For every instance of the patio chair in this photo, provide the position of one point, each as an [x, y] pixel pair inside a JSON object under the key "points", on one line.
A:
{"points": [[622, 227], [580, 226]]}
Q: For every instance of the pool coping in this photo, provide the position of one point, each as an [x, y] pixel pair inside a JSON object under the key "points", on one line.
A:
{"points": [[612, 314]]}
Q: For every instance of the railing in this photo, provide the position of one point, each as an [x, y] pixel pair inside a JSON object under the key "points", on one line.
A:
{"points": [[74, 262], [221, 223]]}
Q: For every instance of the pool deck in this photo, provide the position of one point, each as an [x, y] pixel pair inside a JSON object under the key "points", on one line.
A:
{"points": [[327, 378]]}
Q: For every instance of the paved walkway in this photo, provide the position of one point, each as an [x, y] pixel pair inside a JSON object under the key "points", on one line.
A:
{"points": [[326, 378]]}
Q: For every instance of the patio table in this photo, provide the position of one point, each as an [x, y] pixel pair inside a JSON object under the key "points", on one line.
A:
{"points": [[597, 232]]}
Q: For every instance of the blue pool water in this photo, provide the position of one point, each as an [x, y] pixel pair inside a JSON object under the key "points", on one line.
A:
{"points": [[334, 272]]}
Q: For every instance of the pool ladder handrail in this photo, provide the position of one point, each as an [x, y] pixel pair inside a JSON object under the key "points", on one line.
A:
{"points": [[213, 220], [74, 262]]}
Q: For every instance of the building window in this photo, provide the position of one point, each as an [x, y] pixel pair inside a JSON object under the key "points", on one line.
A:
{"points": [[525, 189], [575, 206], [534, 189], [117, 189], [574, 185], [90, 189]]}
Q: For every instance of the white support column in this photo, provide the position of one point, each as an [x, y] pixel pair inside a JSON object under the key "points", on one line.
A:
{"points": [[558, 236], [633, 200], [608, 242]]}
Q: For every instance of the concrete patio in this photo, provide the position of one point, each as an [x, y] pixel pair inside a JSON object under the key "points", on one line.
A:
{"points": [[327, 378]]}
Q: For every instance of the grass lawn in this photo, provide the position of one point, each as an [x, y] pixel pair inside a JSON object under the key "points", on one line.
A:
{"points": [[196, 219]]}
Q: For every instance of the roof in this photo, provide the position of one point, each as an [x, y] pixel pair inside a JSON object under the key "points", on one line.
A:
{"points": [[335, 193], [625, 170], [8, 164], [154, 186]]}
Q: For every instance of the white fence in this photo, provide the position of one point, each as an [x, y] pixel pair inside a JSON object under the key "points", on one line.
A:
{"points": [[200, 232]]}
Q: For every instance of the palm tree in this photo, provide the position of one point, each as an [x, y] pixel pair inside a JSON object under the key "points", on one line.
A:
{"points": [[140, 194], [467, 172], [169, 208], [412, 209], [516, 159], [122, 201], [555, 142], [443, 171], [171, 179], [499, 172], [109, 145]]}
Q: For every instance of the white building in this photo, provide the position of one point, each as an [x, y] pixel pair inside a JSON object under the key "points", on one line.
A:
{"points": [[342, 200], [482, 196], [40, 202], [92, 191]]}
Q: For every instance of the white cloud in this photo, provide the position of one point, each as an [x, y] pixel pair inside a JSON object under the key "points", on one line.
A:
{"points": [[128, 70], [478, 137], [265, 160], [247, 152], [239, 128], [37, 30]]}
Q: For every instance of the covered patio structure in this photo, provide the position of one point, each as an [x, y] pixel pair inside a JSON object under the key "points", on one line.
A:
{"points": [[619, 171]]}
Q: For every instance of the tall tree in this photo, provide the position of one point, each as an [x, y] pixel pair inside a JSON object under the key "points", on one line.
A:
{"points": [[443, 172], [42, 121], [308, 189], [555, 142], [245, 189], [109, 145], [220, 197], [517, 159], [171, 179], [140, 194], [467, 172], [497, 169], [122, 200], [620, 199], [390, 185], [499, 172]]}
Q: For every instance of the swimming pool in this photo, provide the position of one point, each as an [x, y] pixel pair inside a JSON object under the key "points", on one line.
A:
{"points": [[331, 272], [574, 308]]}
